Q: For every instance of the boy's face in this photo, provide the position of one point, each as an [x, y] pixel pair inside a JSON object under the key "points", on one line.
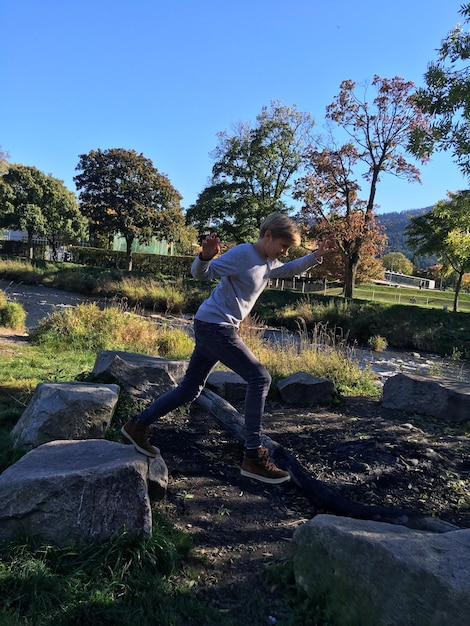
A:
{"points": [[276, 247]]}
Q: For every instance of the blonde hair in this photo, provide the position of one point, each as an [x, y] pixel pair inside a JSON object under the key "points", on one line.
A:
{"points": [[281, 227]]}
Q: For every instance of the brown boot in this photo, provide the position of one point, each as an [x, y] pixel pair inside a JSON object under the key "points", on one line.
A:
{"points": [[137, 432], [257, 464]]}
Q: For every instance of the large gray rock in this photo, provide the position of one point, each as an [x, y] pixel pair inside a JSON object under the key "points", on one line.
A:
{"points": [[376, 574], [228, 385], [175, 367], [70, 491], [303, 389], [66, 411], [105, 358], [445, 399], [142, 377]]}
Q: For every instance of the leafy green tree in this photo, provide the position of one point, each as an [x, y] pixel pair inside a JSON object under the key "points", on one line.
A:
{"points": [[187, 242], [122, 192], [379, 133], [64, 222], [445, 231], [252, 174], [40, 205], [447, 97], [4, 156], [397, 262]]}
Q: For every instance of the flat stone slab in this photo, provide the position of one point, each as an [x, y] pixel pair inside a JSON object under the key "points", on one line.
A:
{"points": [[104, 360]]}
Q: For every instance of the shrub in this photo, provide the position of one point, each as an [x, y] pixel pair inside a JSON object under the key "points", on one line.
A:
{"points": [[12, 315], [377, 343]]}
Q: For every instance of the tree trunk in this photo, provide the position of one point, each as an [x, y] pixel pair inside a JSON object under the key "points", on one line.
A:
{"points": [[458, 286], [129, 243], [350, 268], [319, 493], [30, 245]]}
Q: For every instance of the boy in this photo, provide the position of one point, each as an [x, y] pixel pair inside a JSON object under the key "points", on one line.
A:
{"points": [[244, 272]]}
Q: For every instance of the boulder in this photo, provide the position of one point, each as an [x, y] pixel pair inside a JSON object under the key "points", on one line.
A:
{"points": [[303, 389], [442, 398], [177, 368], [377, 574], [66, 411], [105, 358], [65, 492], [142, 377], [157, 480], [227, 385]]}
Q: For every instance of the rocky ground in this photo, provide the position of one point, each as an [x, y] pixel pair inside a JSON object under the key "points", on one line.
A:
{"points": [[241, 527]]}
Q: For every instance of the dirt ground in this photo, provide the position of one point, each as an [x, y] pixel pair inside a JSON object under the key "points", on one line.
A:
{"points": [[371, 454]]}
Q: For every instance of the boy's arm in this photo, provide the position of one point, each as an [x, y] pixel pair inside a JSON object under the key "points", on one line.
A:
{"points": [[297, 266]]}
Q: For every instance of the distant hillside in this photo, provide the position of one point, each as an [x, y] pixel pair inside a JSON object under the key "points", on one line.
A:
{"points": [[395, 224]]}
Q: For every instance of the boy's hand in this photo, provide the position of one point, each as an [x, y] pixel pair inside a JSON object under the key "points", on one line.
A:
{"points": [[325, 247], [210, 247]]}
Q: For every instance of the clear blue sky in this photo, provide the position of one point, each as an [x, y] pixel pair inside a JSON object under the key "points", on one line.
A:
{"points": [[163, 77]]}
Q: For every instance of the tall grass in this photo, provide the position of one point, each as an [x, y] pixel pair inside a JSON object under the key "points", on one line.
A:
{"points": [[148, 293], [89, 328], [163, 294], [402, 324], [322, 352]]}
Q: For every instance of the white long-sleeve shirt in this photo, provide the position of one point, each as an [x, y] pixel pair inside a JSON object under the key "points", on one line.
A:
{"points": [[243, 274]]}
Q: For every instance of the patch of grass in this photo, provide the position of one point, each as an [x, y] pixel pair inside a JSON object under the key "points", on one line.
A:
{"points": [[13, 315], [302, 609], [127, 580], [21, 370], [20, 270], [149, 294], [24, 367]]}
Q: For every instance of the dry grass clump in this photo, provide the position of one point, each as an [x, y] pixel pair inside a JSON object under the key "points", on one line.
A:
{"points": [[87, 327], [377, 343], [150, 294]]}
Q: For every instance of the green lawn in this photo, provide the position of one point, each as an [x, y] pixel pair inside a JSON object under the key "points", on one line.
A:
{"points": [[428, 298]]}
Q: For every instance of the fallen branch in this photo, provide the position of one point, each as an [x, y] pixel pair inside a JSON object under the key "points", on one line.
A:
{"points": [[321, 495]]}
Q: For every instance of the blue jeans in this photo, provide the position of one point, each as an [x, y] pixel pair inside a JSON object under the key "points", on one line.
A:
{"points": [[214, 343]]}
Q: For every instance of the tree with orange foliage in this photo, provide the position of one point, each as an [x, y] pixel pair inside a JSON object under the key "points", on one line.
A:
{"points": [[378, 137]]}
